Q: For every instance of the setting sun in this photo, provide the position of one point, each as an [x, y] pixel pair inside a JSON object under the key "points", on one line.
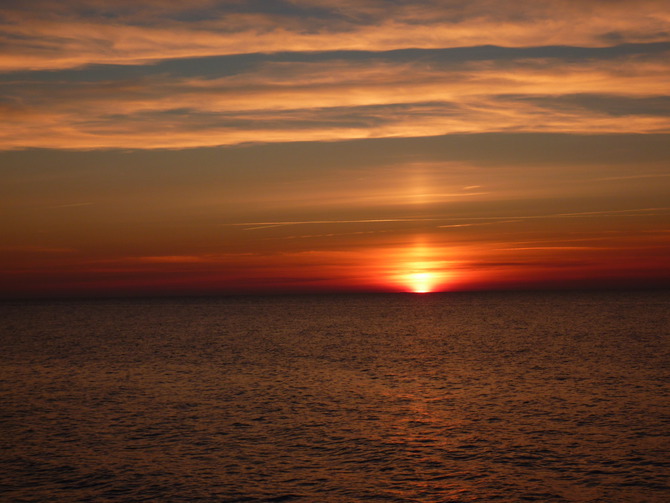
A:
{"points": [[423, 267], [421, 282]]}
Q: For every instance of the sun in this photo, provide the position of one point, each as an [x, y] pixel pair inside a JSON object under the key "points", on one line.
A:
{"points": [[421, 282], [422, 269]]}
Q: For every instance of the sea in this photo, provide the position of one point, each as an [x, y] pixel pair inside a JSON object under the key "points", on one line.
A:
{"points": [[452, 397]]}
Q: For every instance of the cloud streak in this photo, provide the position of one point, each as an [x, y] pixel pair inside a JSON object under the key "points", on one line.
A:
{"points": [[338, 100], [41, 35], [488, 220], [417, 69]]}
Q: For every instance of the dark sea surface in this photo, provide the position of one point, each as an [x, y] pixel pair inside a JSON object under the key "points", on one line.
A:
{"points": [[442, 397]]}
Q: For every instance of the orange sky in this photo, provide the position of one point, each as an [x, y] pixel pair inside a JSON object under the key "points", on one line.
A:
{"points": [[216, 147]]}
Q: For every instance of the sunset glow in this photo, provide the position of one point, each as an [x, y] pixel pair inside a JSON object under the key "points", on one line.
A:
{"points": [[334, 250], [244, 147], [421, 282]]}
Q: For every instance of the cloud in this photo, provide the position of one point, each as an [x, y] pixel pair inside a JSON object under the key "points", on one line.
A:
{"points": [[351, 96], [488, 220], [41, 35], [340, 100], [266, 225]]}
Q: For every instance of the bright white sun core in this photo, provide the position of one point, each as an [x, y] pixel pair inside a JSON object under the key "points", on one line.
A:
{"points": [[421, 282], [422, 269]]}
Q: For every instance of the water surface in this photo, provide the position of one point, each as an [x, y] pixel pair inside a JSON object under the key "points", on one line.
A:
{"points": [[425, 398]]}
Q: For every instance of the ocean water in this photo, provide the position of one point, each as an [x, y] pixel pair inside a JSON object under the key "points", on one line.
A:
{"points": [[409, 398]]}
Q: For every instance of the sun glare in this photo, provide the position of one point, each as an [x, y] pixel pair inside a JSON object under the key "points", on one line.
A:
{"points": [[422, 269], [421, 282]]}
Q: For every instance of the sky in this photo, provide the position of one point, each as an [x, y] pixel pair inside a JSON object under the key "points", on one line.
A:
{"points": [[208, 147]]}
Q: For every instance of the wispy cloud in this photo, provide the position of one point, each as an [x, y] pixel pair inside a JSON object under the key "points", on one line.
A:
{"points": [[266, 225], [288, 94], [632, 177], [337, 100], [45, 35], [487, 220]]}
